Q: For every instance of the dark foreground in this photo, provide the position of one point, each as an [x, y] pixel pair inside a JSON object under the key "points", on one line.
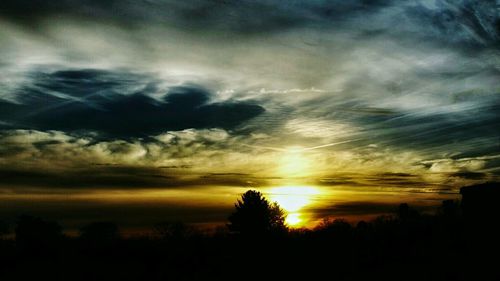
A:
{"points": [[406, 246]]}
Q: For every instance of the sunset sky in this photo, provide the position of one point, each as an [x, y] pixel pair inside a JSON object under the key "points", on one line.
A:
{"points": [[145, 111]]}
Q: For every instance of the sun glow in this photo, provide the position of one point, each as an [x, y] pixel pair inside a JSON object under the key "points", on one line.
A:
{"points": [[293, 219], [294, 163], [293, 199]]}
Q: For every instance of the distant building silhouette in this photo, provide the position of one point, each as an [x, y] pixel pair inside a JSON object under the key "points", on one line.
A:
{"points": [[480, 202]]}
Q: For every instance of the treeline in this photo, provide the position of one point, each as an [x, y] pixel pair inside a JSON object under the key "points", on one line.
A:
{"points": [[407, 245]]}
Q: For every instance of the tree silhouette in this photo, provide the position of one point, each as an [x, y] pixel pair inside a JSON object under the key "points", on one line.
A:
{"points": [[406, 213], [173, 230], [4, 228], [255, 215], [100, 231], [36, 234]]}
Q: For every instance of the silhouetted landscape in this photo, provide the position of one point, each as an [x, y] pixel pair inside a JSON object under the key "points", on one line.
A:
{"points": [[459, 242]]}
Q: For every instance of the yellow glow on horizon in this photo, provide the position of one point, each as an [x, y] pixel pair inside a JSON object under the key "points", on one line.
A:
{"points": [[293, 199]]}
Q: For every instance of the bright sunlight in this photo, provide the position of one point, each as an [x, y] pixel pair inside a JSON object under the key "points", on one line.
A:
{"points": [[293, 199], [294, 163]]}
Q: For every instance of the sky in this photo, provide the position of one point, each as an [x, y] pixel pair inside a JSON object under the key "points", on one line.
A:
{"points": [[153, 110]]}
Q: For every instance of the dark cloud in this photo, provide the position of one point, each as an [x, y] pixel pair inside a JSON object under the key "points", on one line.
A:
{"points": [[97, 178], [116, 105], [398, 181], [354, 209], [460, 21], [74, 213], [474, 22], [230, 15], [363, 208], [232, 179], [340, 180], [470, 175], [114, 177], [367, 208]]}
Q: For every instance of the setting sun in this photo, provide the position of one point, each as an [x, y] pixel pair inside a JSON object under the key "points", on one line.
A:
{"points": [[293, 219], [293, 199]]}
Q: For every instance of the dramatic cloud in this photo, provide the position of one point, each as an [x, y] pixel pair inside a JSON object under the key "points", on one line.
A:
{"points": [[456, 21], [373, 102], [97, 101]]}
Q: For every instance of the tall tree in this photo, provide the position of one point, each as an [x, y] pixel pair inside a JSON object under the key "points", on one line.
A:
{"points": [[254, 214]]}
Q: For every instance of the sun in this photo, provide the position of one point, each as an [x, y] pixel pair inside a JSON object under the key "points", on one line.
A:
{"points": [[293, 219], [293, 199]]}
